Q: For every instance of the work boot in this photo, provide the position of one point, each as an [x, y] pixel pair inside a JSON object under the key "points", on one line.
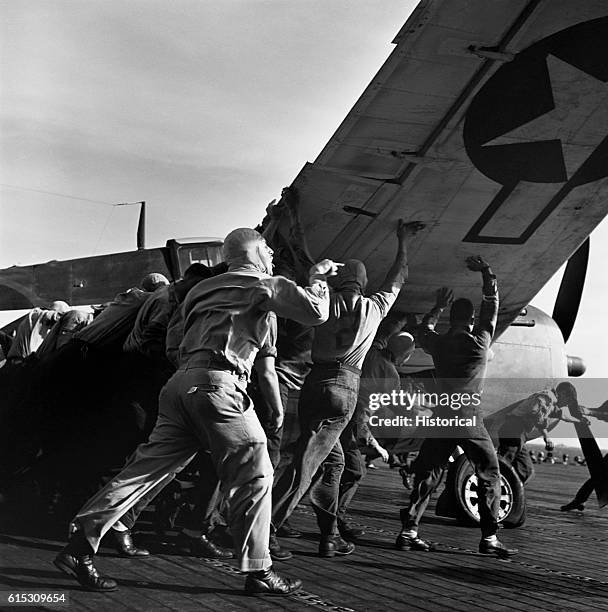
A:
{"points": [[123, 541], [277, 552], [330, 546], [76, 560], [573, 505], [202, 547], [496, 548], [405, 542], [268, 582], [349, 532]]}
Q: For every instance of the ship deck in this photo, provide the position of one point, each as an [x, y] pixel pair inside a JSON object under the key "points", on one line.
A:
{"points": [[561, 564]]}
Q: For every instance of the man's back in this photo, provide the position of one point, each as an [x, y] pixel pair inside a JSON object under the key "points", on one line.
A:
{"points": [[229, 314], [350, 330], [460, 360], [150, 329]]}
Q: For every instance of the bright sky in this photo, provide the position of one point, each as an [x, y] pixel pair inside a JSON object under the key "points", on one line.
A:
{"points": [[204, 109]]}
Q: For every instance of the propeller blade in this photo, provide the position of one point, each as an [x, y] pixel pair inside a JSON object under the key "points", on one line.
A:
{"points": [[571, 290]]}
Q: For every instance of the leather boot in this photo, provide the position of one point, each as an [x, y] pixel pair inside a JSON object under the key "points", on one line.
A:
{"points": [[268, 582], [329, 546], [277, 552], [76, 560], [123, 541], [202, 547]]}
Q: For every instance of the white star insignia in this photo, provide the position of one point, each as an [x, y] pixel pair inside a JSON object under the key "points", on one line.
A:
{"points": [[579, 119]]}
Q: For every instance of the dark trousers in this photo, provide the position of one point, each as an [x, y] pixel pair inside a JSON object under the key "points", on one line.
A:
{"points": [[140, 382], [587, 489], [290, 431], [512, 446], [327, 402], [431, 461], [354, 468], [262, 409], [515, 452]]}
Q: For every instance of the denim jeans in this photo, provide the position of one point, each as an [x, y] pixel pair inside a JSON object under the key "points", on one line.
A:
{"points": [[198, 407], [327, 402], [431, 462], [354, 467]]}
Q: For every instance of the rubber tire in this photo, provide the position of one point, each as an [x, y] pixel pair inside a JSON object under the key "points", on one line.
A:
{"points": [[458, 474]]}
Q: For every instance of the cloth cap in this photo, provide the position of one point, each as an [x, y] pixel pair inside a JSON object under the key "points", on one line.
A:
{"points": [[60, 306], [352, 274], [401, 346]]}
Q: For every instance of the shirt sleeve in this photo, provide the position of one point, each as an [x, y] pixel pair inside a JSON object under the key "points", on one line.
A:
{"points": [[384, 300], [269, 348], [306, 305], [154, 329]]}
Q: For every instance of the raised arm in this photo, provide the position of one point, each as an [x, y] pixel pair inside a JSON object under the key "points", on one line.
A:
{"points": [[391, 325], [488, 312], [398, 272], [297, 238], [426, 332], [270, 223]]}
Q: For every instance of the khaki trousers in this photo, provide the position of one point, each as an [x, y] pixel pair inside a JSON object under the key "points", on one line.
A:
{"points": [[199, 408]]}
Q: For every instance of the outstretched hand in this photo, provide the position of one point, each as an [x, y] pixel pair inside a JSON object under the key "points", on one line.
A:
{"points": [[274, 210], [476, 263], [326, 267], [445, 296]]}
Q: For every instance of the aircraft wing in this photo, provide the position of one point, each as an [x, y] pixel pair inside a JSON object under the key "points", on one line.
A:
{"points": [[488, 123]]}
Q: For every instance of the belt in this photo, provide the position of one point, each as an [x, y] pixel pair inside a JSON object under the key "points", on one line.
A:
{"points": [[212, 361], [336, 365]]}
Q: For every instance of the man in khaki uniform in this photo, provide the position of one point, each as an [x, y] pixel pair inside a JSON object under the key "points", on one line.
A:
{"points": [[226, 321]]}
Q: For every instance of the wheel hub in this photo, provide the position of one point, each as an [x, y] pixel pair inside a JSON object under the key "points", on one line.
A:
{"points": [[471, 497]]}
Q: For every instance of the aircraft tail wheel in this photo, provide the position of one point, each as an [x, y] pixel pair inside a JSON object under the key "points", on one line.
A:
{"points": [[512, 512]]}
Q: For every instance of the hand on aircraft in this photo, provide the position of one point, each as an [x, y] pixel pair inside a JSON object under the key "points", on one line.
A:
{"points": [[408, 228], [476, 263], [325, 267], [445, 296], [290, 198], [274, 210]]}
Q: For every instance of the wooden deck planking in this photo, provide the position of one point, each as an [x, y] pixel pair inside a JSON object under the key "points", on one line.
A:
{"points": [[561, 564]]}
